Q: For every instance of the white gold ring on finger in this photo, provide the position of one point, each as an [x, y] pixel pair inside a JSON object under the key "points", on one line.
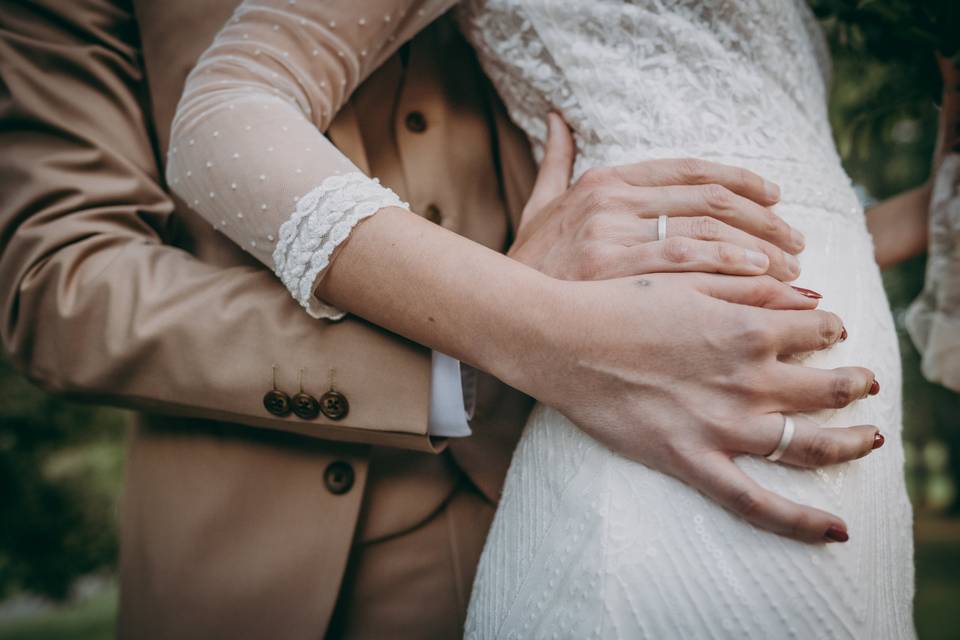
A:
{"points": [[661, 227], [786, 437]]}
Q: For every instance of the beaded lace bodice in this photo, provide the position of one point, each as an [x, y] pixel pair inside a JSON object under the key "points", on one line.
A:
{"points": [[743, 81]]}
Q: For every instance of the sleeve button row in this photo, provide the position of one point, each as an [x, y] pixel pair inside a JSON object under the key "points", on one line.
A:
{"points": [[333, 405]]}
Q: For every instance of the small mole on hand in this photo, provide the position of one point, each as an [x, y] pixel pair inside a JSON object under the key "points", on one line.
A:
{"points": [[430, 318], [642, 282]]}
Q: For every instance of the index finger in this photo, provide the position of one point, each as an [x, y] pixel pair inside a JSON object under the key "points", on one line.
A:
{"points": [[719, 478], [693, 171]]}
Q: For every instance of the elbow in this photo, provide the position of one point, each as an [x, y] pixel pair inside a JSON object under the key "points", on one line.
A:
{"points": [[21, 349]]}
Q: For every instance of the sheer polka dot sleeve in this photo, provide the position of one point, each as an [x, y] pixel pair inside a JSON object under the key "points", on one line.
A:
{"points": [[247, 149]]}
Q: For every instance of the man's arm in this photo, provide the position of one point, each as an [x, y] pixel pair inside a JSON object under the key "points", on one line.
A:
{"points": [[97, 306]]}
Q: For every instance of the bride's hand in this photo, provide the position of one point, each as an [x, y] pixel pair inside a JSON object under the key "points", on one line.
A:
{"points": [[605, 225], [686, 397]]}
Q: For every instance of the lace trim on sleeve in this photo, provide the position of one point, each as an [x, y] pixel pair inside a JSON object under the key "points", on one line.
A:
{"points": [[323, 219]]}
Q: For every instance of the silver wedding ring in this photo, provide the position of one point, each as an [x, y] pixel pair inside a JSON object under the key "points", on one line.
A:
{"points": [[661, 228], [785, 439]]}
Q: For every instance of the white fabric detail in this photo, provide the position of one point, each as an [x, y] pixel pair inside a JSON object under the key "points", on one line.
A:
{"points": [[322, 220], [448, 415], [588, 544]]}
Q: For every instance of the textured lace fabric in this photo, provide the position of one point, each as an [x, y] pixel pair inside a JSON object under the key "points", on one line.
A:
{"points": [[247, 150], [322, 220], [934, 318], [587, 544]]}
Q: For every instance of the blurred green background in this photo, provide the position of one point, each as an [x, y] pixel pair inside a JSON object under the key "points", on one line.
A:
{"points": [[61, 463]]}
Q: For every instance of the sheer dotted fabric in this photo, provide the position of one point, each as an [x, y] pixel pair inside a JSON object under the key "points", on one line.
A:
{"points": [[586, 544], [247, 149]]}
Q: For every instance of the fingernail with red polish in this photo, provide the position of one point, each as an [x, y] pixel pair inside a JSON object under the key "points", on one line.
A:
{"points": [[810, 293], [836, 534], [843, 334], [878, 441], [874, 387]]}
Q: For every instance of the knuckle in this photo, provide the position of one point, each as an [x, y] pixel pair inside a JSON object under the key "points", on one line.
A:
{"points": [[822, 450], [728, 254], [729, 431], [747, 503], [593, 261], [706, 228], [677, 458], [717, 196], [800, 525], [676, 250], [595, 176], [843, 391], [753, 335], [775, 226], [594, 227], [829, 328], [692, 170], [597, 200]]}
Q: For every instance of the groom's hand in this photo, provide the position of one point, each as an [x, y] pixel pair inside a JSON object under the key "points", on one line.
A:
{"points": [[684, 372], [605, 225]]}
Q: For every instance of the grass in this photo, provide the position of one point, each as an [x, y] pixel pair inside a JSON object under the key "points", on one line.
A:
{"points": [[90, 619]]}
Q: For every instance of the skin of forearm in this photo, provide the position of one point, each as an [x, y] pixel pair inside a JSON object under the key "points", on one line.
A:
{"points": [[899, 226], [444, 291]]}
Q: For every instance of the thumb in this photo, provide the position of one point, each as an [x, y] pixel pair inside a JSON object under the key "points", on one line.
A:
{"points": [[554, 175]]}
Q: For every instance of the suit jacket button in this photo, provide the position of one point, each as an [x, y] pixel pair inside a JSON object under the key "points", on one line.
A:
{"points": [[305, 406], [338, 477], [433, 214], [277, 403], [416, 122], [334, 405]]}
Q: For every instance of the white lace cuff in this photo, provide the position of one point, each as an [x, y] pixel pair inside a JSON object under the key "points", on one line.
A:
{"points": [[323, 219]]}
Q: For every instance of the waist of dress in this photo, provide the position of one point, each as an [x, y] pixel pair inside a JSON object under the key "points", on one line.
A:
{"points": [[812, 186]]}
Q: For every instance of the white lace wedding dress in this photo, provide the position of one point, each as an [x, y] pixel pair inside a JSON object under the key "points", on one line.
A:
{"points": [[587, 544]]}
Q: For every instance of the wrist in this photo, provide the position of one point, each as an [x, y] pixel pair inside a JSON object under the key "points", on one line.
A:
{"points": [[527, 328]]}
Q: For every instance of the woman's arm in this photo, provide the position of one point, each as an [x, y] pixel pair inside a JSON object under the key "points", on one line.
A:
{"points": [[899, 225], [247, 150]]}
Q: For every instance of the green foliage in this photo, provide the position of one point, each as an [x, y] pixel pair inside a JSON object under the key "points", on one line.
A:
{"points": [[894, 29], [60, 468], [89, 619]]}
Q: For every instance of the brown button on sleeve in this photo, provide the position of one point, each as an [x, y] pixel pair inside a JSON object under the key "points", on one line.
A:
{"points": [[334, 405], [277, 403], [305, 406]]}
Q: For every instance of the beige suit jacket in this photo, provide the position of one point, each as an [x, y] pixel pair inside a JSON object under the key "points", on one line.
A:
{"points": [[236, 523]]}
